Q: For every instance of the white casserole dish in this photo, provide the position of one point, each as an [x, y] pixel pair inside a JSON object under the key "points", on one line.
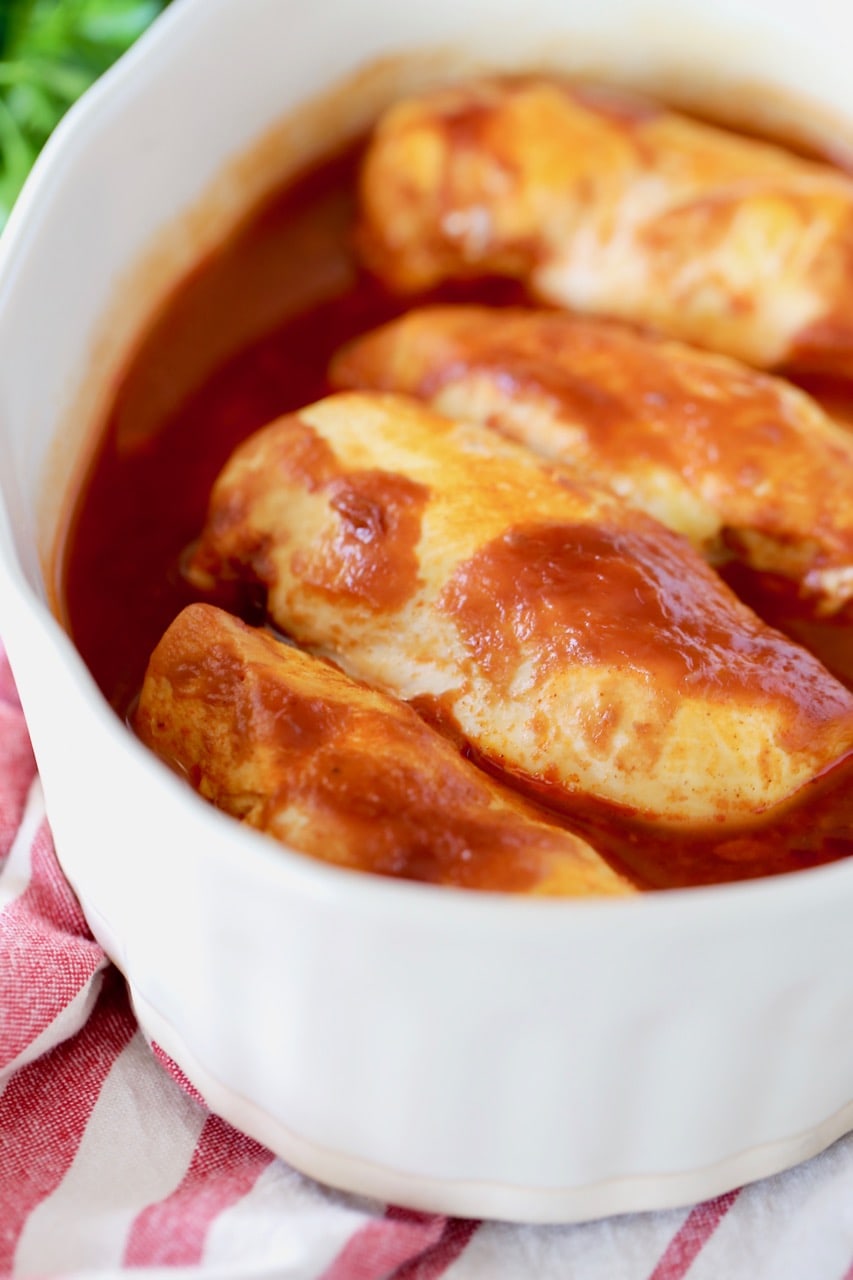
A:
{"points": [[473, 1054]]}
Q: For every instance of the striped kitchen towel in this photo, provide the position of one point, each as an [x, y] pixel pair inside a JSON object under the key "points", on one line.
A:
{"points": [[109, 1160]]}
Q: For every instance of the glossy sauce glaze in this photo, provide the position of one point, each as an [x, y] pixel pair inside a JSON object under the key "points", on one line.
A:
{"points": [[640, 413], [379, 525], [295, 748], [208, 374], [620, 597], [371, 556]]}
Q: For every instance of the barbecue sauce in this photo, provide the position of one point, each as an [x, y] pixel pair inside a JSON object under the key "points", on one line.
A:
{"points": [[119, 580]]}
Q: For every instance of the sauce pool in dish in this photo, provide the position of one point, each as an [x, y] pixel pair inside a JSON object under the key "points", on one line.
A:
{"points": [[248, 337]]}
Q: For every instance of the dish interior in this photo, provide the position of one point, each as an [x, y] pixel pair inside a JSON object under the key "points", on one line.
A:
{"points": [[249, 336]]}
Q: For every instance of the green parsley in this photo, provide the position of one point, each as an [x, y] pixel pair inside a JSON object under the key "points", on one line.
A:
{"points": [[50, 52]]}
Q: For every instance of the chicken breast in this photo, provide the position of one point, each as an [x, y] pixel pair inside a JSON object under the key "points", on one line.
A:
{"points": [[294, 748], [608, 205], [569, 638], [741, 462]]}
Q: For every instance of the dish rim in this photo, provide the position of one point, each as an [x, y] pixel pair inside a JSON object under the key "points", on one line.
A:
{"points": [[754, 912], [85, 118]]}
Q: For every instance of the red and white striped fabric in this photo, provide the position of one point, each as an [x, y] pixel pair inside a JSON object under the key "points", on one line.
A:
{"points": [[110, 1161]]}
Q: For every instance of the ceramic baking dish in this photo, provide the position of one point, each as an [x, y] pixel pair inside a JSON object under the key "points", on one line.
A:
{"points": [[469, 1053]]}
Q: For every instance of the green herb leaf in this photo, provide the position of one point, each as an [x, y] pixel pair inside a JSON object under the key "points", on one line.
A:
{"points": [[51, 51]]}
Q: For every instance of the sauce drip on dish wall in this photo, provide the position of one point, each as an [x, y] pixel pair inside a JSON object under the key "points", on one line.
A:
{"points": [[248, 337]]}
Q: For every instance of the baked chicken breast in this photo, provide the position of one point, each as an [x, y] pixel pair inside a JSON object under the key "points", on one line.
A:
{"points": [[605, 204], [741, 462], [570, 639], [293, 747]]}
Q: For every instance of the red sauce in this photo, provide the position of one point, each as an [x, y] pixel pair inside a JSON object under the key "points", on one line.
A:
{"points": [[372, 554], [824, 346], [814, 828], [368, 555], [728, 432], [379, 790], [633, 399], [262, 708], [621, 598], [119, 581], [775, 599], [407, 816]]}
